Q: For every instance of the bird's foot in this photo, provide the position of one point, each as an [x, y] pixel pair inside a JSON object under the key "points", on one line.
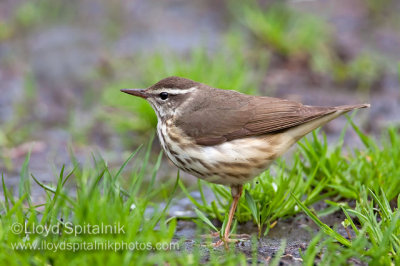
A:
{"points": [[216, 234], [225, 240]]}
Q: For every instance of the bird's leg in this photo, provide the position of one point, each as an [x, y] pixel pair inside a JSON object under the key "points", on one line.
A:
{"points": [[236, 191]]}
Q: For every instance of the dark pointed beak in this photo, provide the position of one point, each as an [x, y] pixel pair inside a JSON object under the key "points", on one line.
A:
{"points": [[137, 92]]}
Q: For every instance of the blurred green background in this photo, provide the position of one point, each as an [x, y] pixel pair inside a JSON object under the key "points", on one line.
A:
{"points": [[62, 64]]}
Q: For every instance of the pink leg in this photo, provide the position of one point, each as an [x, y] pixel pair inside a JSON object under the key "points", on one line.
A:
{"points": [[236, 194]]}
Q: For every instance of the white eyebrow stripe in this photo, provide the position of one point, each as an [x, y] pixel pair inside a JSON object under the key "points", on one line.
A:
{"points": [[173, 91]]}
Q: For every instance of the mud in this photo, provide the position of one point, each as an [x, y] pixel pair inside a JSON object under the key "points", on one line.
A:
{"points": [[296, 231]]}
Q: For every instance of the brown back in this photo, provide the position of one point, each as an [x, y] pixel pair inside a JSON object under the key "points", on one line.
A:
{"points": [[218, 115]]}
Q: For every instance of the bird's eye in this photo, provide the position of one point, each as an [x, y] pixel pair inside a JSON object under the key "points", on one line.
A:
{"points": [[164, 95]]}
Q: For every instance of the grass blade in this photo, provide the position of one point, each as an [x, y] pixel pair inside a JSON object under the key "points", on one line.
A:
{"points": [[205, 219], [321, 225], [5, 191]]}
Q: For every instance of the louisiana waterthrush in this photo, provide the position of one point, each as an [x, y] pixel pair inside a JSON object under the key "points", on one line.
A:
{"points": [[227, 137]]}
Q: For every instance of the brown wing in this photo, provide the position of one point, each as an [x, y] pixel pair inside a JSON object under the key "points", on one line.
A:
{"points": [[227, 116]]}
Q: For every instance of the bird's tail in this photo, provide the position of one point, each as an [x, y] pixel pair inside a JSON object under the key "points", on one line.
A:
{"points": [[347, 108], [292, 135]]}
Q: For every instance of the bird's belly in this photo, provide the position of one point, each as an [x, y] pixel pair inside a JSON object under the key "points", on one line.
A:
{"points": [[234, 162]]}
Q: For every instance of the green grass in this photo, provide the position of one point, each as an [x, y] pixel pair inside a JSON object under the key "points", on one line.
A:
{"points": [[282, 29], [305, 38], [377, 240]]}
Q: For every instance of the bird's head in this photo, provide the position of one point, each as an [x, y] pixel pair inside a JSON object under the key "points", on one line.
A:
{"points": [[168, 95]]}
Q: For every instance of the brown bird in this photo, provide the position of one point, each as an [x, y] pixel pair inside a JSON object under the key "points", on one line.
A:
{"points": [[227, 137]]}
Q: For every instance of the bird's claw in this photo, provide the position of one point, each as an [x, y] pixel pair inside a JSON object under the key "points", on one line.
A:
{"points": [[227, 240]]}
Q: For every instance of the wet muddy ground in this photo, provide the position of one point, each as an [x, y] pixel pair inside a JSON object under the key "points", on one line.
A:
{"points": [[61, 57], [297, 231]]}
